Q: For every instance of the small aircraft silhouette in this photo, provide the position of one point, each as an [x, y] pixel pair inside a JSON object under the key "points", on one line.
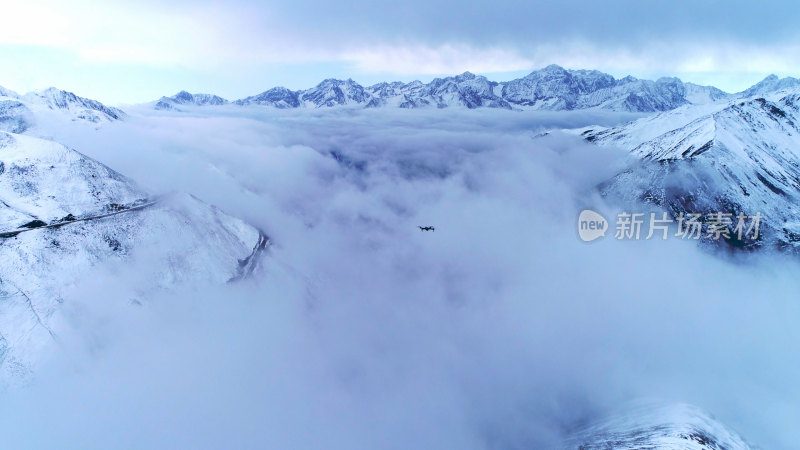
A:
{"points": [[427, 228]]}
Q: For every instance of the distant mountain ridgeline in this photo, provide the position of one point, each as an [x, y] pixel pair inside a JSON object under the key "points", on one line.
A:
{"points": [[552, 88]]}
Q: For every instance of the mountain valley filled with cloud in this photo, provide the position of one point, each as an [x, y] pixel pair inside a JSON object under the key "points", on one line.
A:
{"points": [[335, 235]]}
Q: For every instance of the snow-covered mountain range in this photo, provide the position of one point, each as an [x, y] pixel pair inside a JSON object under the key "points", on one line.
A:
{"points": [[703, 151], [737, 156], [552, 88], [63, 214]]}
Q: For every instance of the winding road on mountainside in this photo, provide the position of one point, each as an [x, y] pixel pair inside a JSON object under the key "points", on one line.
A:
{"points": [[122, 209], [247, 266]]}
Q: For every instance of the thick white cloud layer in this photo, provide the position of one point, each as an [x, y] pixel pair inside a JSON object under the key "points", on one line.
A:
{"points": [[500, 329]]}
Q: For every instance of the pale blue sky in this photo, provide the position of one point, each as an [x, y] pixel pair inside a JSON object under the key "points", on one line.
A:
{"points": [[129, 52]]}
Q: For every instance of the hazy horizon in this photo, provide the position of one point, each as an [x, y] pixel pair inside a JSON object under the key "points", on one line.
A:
{"points": [[125, 53]]}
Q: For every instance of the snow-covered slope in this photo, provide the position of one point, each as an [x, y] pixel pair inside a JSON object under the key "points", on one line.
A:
{"points": [[15, 117], [8, 93], [671, 427], [184, 98], [62, 213], [43, 180], [742, 156]]}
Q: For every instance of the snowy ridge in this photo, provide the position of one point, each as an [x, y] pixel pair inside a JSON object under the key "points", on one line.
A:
{"points": [[8, 93], [660, 427], [62, 213], [735, 157]]}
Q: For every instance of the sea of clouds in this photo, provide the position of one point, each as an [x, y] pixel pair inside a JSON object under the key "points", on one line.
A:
{"points": [[500, 329]]}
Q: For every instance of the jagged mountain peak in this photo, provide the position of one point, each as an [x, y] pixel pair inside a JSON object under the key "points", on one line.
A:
{"points": [[552, 68], [334, 92], [462, 78], [557, 88], [337, 82], [186, 98], [56, 97], [280, 89], [51, 91], [277, 97], [394, 84], [771, 83], [18, 113], [80, 108], [466, 76]]}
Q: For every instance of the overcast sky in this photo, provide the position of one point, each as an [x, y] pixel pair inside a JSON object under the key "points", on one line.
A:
{"points": [[121, 52]]}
